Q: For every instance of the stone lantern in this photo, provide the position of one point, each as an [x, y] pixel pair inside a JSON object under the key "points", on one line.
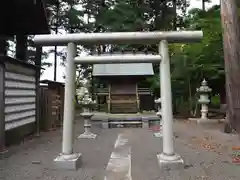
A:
{"points": [[158, 103], [204, 100], [87, 104], [159, 114]]}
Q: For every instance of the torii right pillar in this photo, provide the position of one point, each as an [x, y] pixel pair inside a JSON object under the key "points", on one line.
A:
{"points": [[168, 158]]}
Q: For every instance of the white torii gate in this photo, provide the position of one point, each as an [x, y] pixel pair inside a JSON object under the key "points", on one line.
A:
{"points": [[70, 160]]}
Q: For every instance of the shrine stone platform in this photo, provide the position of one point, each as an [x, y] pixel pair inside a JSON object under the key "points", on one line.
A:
{"points": [[126, 120]]}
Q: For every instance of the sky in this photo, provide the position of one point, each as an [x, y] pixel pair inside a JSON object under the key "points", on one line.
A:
{"points": [[49, 72]]}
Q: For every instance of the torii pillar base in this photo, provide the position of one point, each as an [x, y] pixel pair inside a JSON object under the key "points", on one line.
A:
{"points": [[68, 162], [172, 162]]}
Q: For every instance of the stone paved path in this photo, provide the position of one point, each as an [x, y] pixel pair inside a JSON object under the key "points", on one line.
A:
{"points": [[32, 160]]}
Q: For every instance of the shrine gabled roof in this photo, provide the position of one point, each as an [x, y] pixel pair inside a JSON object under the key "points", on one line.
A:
{"points": [[124, 69]]}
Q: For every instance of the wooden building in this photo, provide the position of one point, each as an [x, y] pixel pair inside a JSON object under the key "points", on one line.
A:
{"points": [[118, 90], [19, 80], [51, 104]]}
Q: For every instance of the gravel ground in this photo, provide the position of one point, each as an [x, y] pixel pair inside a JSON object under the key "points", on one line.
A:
{"points": [[33, 159]]}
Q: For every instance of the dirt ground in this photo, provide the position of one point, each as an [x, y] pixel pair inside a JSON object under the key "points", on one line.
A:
{"points": [[205, 149]]}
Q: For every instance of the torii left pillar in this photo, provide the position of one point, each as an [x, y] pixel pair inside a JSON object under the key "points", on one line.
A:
{"points": [[68, 159]]}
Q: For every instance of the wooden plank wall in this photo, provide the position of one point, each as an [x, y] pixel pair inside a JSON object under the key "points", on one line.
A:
{"points": [[51, 109]]}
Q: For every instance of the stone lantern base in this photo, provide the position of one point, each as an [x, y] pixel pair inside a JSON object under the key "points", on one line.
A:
{"points": [[159, 134], [204, 121], [87, 127], [87, 135]]}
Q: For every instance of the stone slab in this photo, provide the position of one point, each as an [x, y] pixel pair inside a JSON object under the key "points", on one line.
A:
{"points": [[133, 118], [145, 124], [115, 117], [105, 125]]}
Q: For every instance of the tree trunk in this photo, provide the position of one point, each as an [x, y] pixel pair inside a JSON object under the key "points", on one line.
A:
{"points": [[203, 5], [55, 47], [231, 40], [174, 2]]}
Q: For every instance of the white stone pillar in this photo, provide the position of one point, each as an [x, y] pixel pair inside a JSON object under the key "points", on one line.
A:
{"points": [[168, 157], [69, 109], [67, 159], [166, 96]]}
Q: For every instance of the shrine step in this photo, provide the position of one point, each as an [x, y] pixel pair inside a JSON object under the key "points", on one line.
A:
{"points": [[124, 122]]}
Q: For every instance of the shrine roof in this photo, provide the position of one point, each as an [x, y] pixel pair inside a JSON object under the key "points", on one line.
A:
{"points": [[123, 69]]}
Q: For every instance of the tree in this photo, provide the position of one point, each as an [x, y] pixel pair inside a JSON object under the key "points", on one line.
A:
{"points": [[63, 16], [191, 63], [204, 4], [231, 39]]}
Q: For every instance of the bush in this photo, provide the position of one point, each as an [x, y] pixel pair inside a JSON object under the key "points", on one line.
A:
{"points": [[215, 100]]}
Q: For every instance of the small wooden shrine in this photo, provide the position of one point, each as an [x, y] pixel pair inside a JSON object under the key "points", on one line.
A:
{"points": [[118, 90], [51, 104]]}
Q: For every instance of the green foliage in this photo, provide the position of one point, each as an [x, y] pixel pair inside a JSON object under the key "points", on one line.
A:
{"points": [[193, 62], [215, 100], [190, 63]]}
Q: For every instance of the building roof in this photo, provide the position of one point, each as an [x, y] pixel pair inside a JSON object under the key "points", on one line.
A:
{"points": [[4, 59], [27, 17], [127, 69]]}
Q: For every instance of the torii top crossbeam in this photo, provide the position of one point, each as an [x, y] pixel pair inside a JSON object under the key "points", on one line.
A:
{"points": [[119, 38]]}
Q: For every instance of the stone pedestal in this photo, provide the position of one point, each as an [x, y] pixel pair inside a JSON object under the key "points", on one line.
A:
{"points": [[145, 122], [204, 121], [69, 162], [87, 135], [105, 124], [87, 127], [159, 134]]}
